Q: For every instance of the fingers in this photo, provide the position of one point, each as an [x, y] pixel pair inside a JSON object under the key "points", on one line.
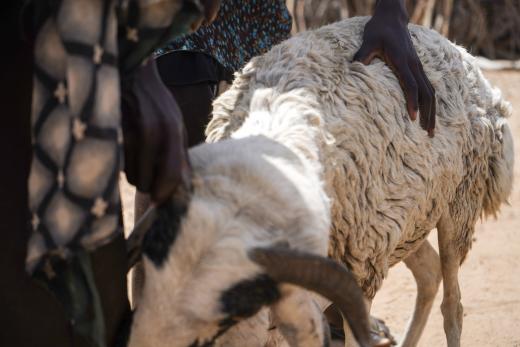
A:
{"points": [[433, 109], [367, 53], [426, 98], [408, 84], [419, 92]]}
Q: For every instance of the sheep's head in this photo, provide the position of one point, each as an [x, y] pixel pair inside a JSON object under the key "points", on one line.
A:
{"points": [[197, 285], [212, 261], [196, 305]]}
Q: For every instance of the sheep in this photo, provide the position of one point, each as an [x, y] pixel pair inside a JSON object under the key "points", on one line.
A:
{"points": [[309, 152], [217, 274]]}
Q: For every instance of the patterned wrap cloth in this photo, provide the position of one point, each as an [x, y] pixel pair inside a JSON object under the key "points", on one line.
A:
{"points": [[76, 117], [242, 30], [85, 56]]}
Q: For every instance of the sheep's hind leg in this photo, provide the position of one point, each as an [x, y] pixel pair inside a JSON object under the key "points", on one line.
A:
{"points": [[450, 256], [425, 266]]}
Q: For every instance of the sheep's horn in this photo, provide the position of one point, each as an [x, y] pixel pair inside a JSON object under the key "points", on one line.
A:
{"points": [[135, 239], [323, 276]]}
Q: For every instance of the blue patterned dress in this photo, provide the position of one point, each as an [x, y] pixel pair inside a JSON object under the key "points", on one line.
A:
{"points": [[242, 30]]}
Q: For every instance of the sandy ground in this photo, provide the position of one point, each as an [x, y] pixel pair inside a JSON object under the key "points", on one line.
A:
{"points": [[489, 279]]}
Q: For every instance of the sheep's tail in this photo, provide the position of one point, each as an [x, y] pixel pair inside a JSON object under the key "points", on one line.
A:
{"points": [[501, 162]]}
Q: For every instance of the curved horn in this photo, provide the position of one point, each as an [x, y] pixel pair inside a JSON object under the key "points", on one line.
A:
{"points": [[323, 276], [135, 240]]}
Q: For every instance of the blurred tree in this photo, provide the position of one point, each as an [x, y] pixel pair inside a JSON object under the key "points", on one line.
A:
{"points": [[490, 28]]}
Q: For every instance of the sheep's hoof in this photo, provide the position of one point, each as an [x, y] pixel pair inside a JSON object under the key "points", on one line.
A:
{"points": [[380, 333]]}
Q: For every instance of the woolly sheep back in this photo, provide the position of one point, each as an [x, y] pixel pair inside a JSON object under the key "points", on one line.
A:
{"points": [[388, 181]]}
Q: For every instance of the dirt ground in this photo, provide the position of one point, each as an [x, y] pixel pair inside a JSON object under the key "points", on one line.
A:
{"points": [[489, 279]]}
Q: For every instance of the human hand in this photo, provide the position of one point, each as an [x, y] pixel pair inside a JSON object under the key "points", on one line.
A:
{"points": [[211, 8], [386, 36], [156, 159]]}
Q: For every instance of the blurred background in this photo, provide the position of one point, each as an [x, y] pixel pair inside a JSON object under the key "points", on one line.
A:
{"points": [[487, 28]]}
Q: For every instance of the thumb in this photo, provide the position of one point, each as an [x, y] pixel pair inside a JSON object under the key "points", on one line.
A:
{"points": [[366, 53]]}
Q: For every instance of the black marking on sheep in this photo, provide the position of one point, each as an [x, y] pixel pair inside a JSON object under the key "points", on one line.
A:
{"points": [[247, 297], [161, 236]]}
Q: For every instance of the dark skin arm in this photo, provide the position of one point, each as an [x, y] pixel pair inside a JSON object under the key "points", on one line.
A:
{"points": [[156, 158], [386, 36]]}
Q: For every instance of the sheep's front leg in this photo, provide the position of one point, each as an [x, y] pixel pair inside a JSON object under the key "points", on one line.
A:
{"points": [[350, 340], [426, 269], [379, 333], [450, 261], [299, 319]]}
